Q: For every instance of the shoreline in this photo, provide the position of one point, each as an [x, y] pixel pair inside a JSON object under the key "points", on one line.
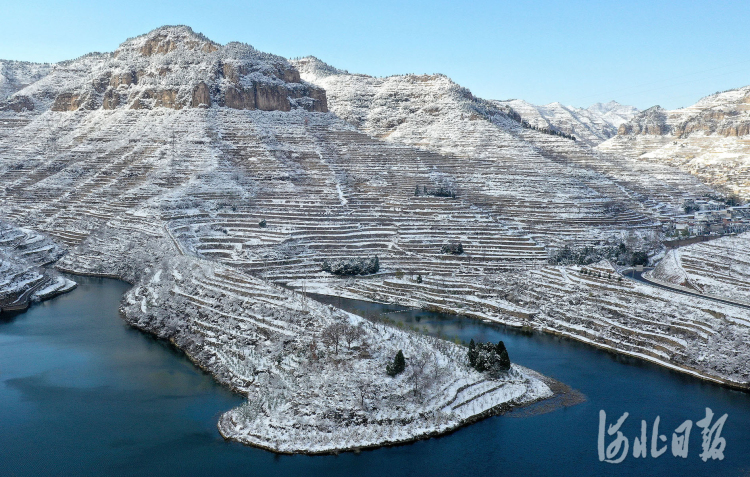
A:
{"points": [[560, 391], [22, 307], [604, 347], [557, 388]]}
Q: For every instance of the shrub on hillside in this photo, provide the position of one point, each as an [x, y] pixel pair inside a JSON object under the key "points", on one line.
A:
{"points": [[455, 248], [352, 266]]}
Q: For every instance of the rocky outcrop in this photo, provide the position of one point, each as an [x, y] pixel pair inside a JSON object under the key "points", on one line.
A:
{"points": [[157, 99], [127, 78], [111, 99], [164, 43], [174, 67], [18, 104], [73, 102], [101, 84], [318, 102], [201, 96], [652, 121], [724, 122], [272, 97], [238, 97]]}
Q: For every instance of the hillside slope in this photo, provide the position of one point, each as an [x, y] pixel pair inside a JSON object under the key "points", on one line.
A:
{"points": [[523, 168], [16, 75], [214, 180]]}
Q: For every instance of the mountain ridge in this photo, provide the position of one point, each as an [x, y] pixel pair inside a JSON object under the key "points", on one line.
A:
{"points": [[707, 139], [171, 67]]}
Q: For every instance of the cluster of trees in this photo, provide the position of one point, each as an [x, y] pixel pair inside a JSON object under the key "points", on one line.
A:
{"points": [[335, 334], [352, 266], [620, 254], [455, 248], [488, 357], [437, 192], [550, 131]]}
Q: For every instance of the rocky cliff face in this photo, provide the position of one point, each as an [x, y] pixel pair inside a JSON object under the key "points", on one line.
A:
{"points": [[721, 114], [708, 139], [170, 67]]}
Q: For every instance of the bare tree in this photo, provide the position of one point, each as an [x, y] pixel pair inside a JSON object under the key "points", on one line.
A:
{"points": [[418, 376], [332, 335], [363, 390], [352, 334]]}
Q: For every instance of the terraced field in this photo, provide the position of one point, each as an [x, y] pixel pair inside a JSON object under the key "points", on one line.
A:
{"points": [[720, 268], [221, 218]]}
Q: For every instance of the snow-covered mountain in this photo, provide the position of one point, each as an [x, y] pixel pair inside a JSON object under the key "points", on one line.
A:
{"points": [[592, 125], [170, 67], [434, 113], [156, 164], [708, 139], [215, 179], [16, 75]]}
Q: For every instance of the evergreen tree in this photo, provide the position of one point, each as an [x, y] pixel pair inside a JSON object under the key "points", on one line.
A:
{"points": [[472, 353], [416, 191], [503, 362], [398, 365], [419, 278]]}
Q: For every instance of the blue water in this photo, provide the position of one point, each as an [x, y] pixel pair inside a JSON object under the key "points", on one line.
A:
{"points": [[81, 393]]}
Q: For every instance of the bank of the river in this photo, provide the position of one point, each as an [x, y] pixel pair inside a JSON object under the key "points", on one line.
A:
{"points": [[82, 393]]}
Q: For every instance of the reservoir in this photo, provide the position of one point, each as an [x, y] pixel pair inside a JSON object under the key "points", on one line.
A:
{"points": [[82, 393]]}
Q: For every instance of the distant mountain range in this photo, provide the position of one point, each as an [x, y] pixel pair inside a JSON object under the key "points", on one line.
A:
{"points": [[708, 139], [592, 125]]}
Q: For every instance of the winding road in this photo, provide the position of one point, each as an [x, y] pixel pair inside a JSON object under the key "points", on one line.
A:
{"points": [[631, 274]]}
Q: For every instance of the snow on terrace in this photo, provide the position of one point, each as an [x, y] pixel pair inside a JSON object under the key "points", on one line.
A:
{"points": [[305, 392], [117, 201], [719, 267], [212, 196], [695, 336], [184, 191], [524, 169], [22, 280]]}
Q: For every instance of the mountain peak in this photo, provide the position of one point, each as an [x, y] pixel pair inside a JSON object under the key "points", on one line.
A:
{"points": [[168, 67], [316, 66], [168, 38]]}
